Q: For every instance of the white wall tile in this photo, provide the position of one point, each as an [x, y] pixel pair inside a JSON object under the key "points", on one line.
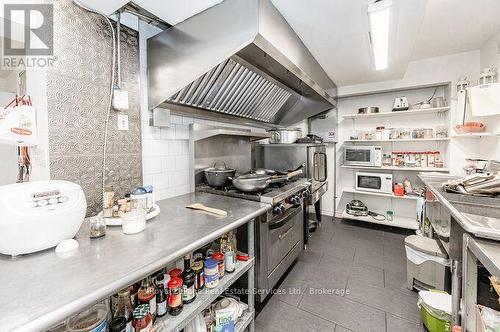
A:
{"points": [[187, 120], [147, 147], [181, 131], [149, 132], [160, 148], [152, 165], [176, 119], [168, 163], [168, 133], [182, 162]]}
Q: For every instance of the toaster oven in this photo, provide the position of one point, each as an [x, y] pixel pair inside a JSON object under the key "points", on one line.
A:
{"points": [[363, 156]]}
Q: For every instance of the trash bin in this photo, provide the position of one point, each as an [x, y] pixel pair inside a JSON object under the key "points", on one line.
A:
{"points": [[435, 310], [425, 264]]}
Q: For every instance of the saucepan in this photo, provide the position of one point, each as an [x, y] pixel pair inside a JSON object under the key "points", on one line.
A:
{"points": [[259, 182], [218, 175]]}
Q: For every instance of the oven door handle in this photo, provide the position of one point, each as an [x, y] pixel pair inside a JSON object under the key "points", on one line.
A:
{"points": [[286, 218]]}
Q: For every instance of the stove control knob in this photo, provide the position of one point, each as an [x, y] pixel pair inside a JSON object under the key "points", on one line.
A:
{"points": [[305, 193], [278, 209], [295, 201]]}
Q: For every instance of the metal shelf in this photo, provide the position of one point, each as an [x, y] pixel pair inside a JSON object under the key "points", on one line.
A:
{"points": [[244, 320], [398, 140], [389, 114], [360, 192], [398, 221], [475, 135], [204, 298], [402, 169]]}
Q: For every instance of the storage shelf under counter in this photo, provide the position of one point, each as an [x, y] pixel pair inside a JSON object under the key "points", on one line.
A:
{"points": [[476, 251], [60, 286]]}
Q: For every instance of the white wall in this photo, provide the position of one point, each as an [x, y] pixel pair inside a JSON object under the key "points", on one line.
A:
{"points": [[433, 70]]}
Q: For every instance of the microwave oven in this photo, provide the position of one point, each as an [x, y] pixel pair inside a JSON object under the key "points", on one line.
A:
{"points": [[363, 156], [374, 182]]}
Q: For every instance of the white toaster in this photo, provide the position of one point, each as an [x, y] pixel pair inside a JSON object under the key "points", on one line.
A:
{"points": [[38, 215]]}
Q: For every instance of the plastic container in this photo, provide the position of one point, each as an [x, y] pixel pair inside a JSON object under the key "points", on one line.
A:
{"points": [[211, 273], [426, 263], [435, 310], [134, 221], [91, 320]]}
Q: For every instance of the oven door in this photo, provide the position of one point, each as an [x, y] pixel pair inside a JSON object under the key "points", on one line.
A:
{"points": [[359, 156], [284, 233]]}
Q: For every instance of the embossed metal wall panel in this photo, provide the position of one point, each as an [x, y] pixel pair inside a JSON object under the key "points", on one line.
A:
{"points": [[77, 96]]}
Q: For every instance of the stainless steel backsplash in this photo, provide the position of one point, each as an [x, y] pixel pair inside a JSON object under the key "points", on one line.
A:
{"points": [[77, 97]]}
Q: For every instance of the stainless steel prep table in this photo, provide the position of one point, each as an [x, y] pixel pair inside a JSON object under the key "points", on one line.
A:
{"points": [[479, 216], [486, 252], [49, 288]]}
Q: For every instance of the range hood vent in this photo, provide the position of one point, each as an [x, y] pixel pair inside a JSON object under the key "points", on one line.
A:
{"points": [[234, 89], [239, 58]]}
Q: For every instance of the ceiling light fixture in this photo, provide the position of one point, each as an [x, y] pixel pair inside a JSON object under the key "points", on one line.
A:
{"points": [[379, 17]]}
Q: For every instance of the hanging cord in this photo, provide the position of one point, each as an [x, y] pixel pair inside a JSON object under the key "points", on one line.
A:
{"points": [[112, 83]]}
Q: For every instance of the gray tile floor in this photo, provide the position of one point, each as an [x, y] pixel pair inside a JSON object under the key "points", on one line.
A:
{"points": [[362, 270]]}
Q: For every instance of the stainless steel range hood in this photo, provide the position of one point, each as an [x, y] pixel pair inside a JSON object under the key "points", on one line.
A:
{"points": [[238, 59]]}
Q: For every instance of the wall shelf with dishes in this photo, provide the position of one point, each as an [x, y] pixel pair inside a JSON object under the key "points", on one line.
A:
{"points": [[409, 132]]}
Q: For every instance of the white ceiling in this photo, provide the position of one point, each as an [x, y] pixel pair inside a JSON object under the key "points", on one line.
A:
{"points": [[336, 33]]}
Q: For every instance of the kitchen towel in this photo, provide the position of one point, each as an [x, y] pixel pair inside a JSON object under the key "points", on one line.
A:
{"points": [[485, 99]]}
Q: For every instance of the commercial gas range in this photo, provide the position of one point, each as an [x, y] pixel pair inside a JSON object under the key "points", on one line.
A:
{"points": [[280, 233]]}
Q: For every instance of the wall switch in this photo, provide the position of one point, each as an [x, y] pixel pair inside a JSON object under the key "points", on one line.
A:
{"points": [[120, 99], [122, 122]]}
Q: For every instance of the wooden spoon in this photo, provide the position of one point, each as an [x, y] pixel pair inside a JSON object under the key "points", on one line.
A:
{"points": [[199, 206]]}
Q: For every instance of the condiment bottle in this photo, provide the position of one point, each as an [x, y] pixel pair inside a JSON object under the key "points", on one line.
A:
{"points": [[147, 295], [142, 319], [211, 273], [175, 296], [219, 257], [175, 273], [188, 278], [230, 261], [199, 282], [124, 308], [161, 299]]}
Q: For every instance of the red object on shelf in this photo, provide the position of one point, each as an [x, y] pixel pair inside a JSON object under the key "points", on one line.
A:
{"points": [[399, 189], [242, 256]]}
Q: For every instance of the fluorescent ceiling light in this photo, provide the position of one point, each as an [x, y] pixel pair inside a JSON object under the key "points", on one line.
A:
{"points": [[379, 17]]}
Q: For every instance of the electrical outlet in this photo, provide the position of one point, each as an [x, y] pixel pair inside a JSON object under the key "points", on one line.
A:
{"points": [[120, 99], [122, 122]]}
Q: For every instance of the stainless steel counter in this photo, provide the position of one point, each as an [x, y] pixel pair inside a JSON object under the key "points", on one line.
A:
{"points": [[477, 215], [52, 287]]}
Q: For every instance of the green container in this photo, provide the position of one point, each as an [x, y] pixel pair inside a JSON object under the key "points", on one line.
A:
{"points": [[435, 310]]}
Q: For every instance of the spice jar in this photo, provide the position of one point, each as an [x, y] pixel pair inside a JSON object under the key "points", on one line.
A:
{"points": [[175, 296], [230, 261], [211, 273], [97, 227], [199, 281], [423, 159], [107, 202], [219, 257], [386, 159], [143, 321]]}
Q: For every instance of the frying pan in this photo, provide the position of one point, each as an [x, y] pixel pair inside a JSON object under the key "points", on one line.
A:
{"points": [[259, 182]]}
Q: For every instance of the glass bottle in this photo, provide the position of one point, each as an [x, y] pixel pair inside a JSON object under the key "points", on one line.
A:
{"points": [[147, 295], [188, 278], [124, 308], [161, 299]]}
